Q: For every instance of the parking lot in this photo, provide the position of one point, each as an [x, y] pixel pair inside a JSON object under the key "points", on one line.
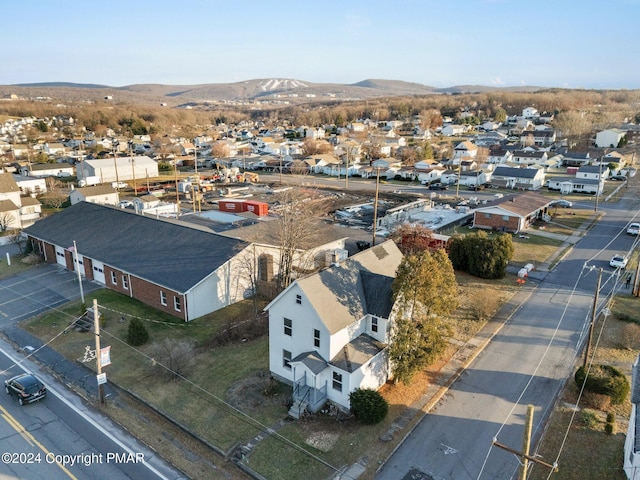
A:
{"points": [[38, 289]]}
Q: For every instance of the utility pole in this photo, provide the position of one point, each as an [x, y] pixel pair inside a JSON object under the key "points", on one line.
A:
{"points": [[96, 326], [133, 172], [526, 445], [346, 177], [115, 166], [635, 290], [375, 207], [175, 172], [594, 309], [458, 182], [599, 180]]}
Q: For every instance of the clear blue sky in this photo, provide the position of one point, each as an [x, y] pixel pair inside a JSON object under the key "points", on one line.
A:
{"points": [[555, 43]]}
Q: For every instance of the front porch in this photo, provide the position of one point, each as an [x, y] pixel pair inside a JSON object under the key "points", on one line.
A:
{"points": [[307, 397]]}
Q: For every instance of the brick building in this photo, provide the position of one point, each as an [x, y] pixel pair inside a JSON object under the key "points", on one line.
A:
{"points": [[512, 213], [175, 267]]}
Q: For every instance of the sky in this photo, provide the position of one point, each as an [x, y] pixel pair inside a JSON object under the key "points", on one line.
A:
{"points": [[550, 43]]}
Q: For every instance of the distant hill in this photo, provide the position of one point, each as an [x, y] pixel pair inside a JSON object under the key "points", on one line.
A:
{"points": [[267, 89]]}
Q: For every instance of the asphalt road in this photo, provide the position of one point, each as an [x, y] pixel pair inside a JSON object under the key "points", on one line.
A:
{"points": [[38, 439], [526, 363]]}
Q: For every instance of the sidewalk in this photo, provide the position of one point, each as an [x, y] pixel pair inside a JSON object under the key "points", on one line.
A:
{"points": [[74, 376]]}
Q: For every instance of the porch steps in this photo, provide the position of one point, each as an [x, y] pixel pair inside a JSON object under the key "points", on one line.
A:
{"points": [[298, 408]]}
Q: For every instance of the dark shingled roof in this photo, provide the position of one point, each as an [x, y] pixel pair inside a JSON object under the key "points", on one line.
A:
{"points": [[502, 171], [377, 293], [166, 253]]}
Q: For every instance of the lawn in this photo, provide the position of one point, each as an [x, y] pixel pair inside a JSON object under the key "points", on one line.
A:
{"points": [[533, 249], [17, 266], [206, 384]]}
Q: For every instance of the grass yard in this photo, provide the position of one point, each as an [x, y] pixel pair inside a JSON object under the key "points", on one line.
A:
{"points": [[533, 249], [205, 386], [17, 266]]}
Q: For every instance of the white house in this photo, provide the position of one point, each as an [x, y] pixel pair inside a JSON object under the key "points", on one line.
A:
{"points": [[530, 112], [16, 211], [328, 332], [30, 185], [609, 138], [102, 194], [465, 150], [453, 130], [520, 178]]}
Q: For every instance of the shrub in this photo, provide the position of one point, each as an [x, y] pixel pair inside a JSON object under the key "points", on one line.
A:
{"points": [[589, 418], [611, 417], [606, 380], [596, 400], [176, 357], [485, 304], [611, 428], [368, 405], [137, 334]]}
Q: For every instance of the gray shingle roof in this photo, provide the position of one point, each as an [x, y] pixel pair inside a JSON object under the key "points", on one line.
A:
{"points": [[166, 253], [344, 293]]}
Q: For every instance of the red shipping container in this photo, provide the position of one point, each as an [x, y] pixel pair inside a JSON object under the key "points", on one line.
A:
{"points": [[259, 208], [232, 206]]}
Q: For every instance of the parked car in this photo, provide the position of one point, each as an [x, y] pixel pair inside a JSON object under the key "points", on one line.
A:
{"points": [[125, 204], [618, 178], [476, 188], [438, 186], [618, 261], [561, 204], [633, 229], [26, 387]]}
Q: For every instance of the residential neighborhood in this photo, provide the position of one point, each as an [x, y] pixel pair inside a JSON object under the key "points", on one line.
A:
{"points": [[284, 242]]}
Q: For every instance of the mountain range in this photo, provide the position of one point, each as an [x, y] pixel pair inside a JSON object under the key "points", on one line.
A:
{"points": [[277, 90]]}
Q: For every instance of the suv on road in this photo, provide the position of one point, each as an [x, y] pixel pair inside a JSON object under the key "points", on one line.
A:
{"points": [[633, 229], [26, 387]]}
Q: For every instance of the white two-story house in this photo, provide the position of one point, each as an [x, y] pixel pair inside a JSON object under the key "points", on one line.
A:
{"points": [[328, 332]]}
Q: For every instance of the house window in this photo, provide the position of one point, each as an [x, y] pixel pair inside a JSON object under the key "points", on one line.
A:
{"points": [[299, 299], [114, 280], [288, 326], [316, 338], [177, 304], [374, 324], [286, 359], [337, 381], [163, 298], [125, 282], [505, 218], [487, 215]]}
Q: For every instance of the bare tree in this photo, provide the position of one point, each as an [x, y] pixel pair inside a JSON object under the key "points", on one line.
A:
{"points": [[6, 219], [17, 239], [298, 167], [294, 231], [220, 149], [173, 357]]}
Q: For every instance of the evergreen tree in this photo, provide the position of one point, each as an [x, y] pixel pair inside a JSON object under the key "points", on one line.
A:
{"points": [[137, 333], [424, 289]]}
